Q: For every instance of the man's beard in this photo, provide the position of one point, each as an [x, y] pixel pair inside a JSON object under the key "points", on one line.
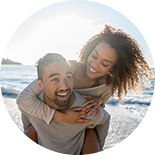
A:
{"points": [[59, 102], [62, 103]]}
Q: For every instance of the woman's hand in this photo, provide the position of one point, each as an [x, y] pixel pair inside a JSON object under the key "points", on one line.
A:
{"points": [[94, 103], [73, 115]]}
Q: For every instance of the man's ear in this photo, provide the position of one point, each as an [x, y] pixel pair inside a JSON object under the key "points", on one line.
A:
{"points": [[40, 84]]}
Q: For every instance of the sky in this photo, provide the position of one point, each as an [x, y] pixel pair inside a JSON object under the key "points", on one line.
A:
{"points": [[64, 28]]}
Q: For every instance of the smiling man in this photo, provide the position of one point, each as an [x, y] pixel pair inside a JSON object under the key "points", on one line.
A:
{"points": [[55, 79]]}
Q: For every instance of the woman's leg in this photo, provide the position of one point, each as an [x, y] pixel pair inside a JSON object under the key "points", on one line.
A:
{"points": [[27, 142], [91, 143]]}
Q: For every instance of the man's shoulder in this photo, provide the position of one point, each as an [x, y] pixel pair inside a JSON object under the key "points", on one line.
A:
{"points": [[40, 96], [101, 118], [79, 100]]}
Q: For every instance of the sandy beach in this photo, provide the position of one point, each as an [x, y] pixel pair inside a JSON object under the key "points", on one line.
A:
{"points": [[129, 133], [10, 125]]}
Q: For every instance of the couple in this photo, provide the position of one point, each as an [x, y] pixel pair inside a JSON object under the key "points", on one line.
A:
{"points": [[110, 61]]}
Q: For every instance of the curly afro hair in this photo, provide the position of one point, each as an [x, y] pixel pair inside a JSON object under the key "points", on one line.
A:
{"points": [[130, 66]]}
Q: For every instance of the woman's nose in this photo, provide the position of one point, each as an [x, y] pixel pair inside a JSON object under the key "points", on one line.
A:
{"points": [[95, 64]]}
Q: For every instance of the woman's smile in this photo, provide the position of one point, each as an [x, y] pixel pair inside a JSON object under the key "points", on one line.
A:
{"points": [[92, 71]]}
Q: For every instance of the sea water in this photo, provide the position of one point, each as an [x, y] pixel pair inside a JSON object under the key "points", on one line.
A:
{"points": [[14, 78]]}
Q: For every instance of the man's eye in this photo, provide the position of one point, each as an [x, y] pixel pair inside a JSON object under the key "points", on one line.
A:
{"points": [[69, 77], [55, 80]]}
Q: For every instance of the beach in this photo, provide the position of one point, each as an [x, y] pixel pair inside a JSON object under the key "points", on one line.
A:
{"points": [[129, 133], [10, 125]]}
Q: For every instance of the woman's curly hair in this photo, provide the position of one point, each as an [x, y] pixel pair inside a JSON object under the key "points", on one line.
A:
{"points": [[130, 65]]}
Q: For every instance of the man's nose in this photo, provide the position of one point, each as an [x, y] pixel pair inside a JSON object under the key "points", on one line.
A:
{"points": [[63, 85]]}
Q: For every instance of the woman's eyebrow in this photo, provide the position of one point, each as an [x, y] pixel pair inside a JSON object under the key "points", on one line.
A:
{"points": [[107, 61], [96, 52]]}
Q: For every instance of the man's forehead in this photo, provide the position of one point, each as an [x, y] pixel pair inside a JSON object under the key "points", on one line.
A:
{"points": [[58, 67]]}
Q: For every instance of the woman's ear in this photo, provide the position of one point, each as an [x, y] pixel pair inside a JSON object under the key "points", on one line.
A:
{"points": [[40, 84], [111, 69]]}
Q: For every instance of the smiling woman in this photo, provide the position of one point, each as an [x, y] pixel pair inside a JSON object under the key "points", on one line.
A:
{"points": [[101, 60]]}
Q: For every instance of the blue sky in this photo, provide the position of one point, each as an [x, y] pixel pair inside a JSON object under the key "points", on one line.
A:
{"points": [[64, 28]]}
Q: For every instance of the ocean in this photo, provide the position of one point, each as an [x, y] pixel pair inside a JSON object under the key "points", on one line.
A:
{"points": [[14, 78]]}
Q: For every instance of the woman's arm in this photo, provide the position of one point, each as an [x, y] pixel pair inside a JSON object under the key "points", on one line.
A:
{"points": [[96, 102], [28, 102]]}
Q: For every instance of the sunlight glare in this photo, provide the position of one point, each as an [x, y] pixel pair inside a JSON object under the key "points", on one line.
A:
{"points": [[65, 34], [73, 32]]}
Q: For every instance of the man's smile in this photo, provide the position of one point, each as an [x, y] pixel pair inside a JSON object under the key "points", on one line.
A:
{"points": [[63, 95]]}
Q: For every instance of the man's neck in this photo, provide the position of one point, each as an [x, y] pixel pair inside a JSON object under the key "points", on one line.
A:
{"points": [[56, 107]]}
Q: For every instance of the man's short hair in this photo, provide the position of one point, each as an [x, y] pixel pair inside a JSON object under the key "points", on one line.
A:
{"points": [[46, 60]]}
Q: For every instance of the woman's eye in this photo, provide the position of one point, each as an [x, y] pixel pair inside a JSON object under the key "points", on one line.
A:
{"points": [[105, 65], [95, 57]]}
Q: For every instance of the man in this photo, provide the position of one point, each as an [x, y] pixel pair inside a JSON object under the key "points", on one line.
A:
{"points": [[55, 79]]}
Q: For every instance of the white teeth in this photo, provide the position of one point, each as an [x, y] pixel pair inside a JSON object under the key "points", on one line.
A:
{"points": [[93, 70], [62, 94]]}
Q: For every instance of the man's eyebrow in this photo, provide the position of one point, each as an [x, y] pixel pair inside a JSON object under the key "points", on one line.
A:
{"points": [[55, 74], [104, 59], [69, 72]]}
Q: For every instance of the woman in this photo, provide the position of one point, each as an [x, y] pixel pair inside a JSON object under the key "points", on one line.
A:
{"points": [[109, 61]]}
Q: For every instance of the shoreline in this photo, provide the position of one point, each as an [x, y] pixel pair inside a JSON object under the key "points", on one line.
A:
{"points": [[129, 133]]}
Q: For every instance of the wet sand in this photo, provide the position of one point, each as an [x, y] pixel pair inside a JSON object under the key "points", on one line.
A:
{"points": [[129, 133]]}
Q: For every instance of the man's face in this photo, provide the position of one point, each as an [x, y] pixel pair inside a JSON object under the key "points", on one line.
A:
{"points": [[57, 84]]}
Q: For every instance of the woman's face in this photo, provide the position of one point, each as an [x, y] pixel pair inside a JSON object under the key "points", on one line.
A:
{"points": [[101, 60]]}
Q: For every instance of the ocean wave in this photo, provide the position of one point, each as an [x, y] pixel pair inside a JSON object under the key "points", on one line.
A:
{"points": [[129, 102], [148, 93], [148, 100], [133, 108], [25, 82], [9, 92]]}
